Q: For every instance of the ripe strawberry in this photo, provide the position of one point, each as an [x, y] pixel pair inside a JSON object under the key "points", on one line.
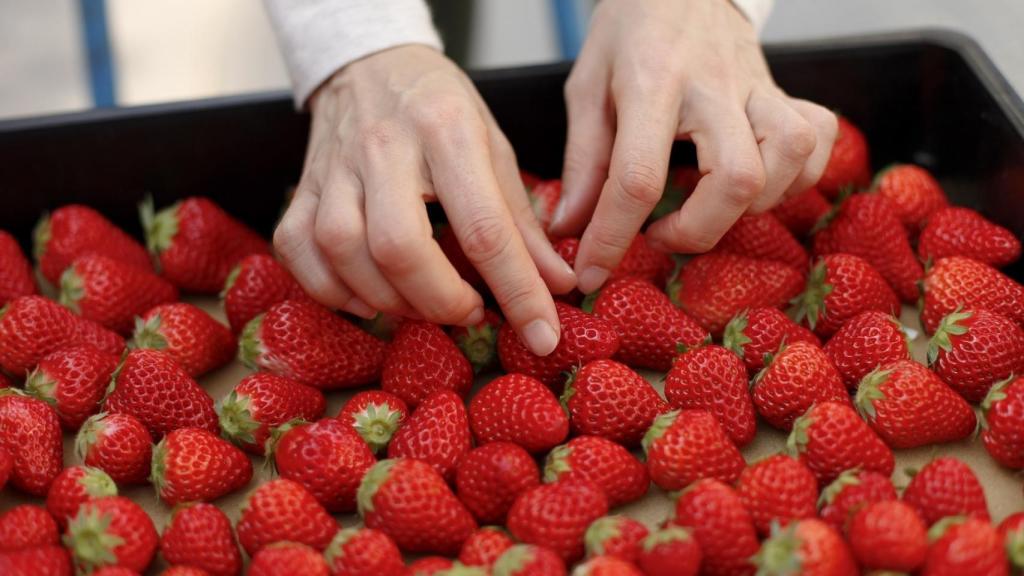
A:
{"points": [[973, 349], [754, 333], [200, 535], [304, 341], [607, 399], [363, 552], [282, 509], [849, 164], [617, 536], [557, 515], [682, 181], [669, 551], [685, 446], [262, 401], [958, 282], [73, 381], [518, 409], [800, 212], [714, 379], [196, 243], [38, 561], [117, 444], [764, 237], [73, 487], [74, 230], [254, 285], [851, 491], [490, 478], [195, 465], [421, 360], [116, 571], [830, 439], [799, 376], [286, 558], [957, 231], [584, 338], [32, 327], [16, 277], [642, 261], [913, 191], [965, 546], [375, 415], [650, 328], [839, 287], [721, 525], [946, 487], [179, 570], [327, 457], [186, 333], [568, 248], [30, 433], [112, 293], [111, 531], [778, 489], [889, 536], [436, 433], [808, 547], [909, 406], [867, 341], [26, 526], [606, 566], [150, 386], [544, 196], [6, 463], [479, 343], [5, 382], [449, 243], [409, 501], [485, 546], [1003, 422], [1011, 532], [529, 560], [618, 473]]}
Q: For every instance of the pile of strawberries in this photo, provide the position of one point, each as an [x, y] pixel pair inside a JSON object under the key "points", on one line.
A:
{"points": [[519, 476]]}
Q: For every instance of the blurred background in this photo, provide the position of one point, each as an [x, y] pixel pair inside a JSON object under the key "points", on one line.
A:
{"points": [[66, 55]]}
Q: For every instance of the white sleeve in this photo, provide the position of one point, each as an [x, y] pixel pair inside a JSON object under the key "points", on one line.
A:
{"points": [[318, 37], [756, 11]]}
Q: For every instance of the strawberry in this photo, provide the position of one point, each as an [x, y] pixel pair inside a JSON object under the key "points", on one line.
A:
{"points": [[544, 196], [866, 225], [913, 191], [117, 444], [957, 231], [973, 349], [327, 457], [32, 327], [5, 382], [1003, 422], [117, 571], [490, 477], [830, 439], [712, 288], [30, 433], [254, 285], [889, 535], [639, 261], [429, 566], [650, 328], [73, 487], [965, 546], [16, 278], [682, 181], [195, 465], [764, 237], [485, 546], [606, 566], [958, 282], [753, 334], [375, 415], [616, 536], [618, 473], [568, 248], [112, 293], [779, 489], [436, 433], [6, 463], [180, 570], [839, 287], [445, 236], [529, 560], [111, 531], [669, 551], [283, 509], [190, 336], [74, 230], [73, 381], [27, 526], [851, 491], [867, 341], [808, 547], [409, 501], [849, 164], [479, 343], [1011, 531], [421, 360], [720, 524], [304, 341], [200, 535], [286, 558], [800, 212], [262, 401], [38, 561], [529, 179], [574, 503], [363, 552], [685, 446], [607, 399], [518, 409], [150, 386], [799, 376], [714, 379], [907, 405], [584, 338], [946, 487]]}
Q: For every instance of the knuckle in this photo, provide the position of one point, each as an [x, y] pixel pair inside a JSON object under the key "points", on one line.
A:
{"points": [[288, 239], [516, 298], [441, 115], [640, 184], [798, 139], [336, 239], [486, 237], [394, 249], [378, 135], [744, 180], [444, 310]]}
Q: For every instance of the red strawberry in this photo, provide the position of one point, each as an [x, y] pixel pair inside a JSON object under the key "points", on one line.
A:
{"points": [[720, 524], [111, 531], [650, 328], [6, 463], [421, 360], [909, 406], [544, 196], [946, 487], [957, 231], [73, 381], [436, 433], [449, 243], [263, 401], [38, 561], [254, 285], [1011, 531], [764, 237], [286, 558], [623, 478], [150, 386], [973, 349], [518, 409], [851, 491], [913, 191], [409, 501], [112, 293], [194, 465], [839, 287], [714, 379], [753, 334], [489, 478], [529, 179], [529, 560], [669, 551], [375, 415], [74, 230], [712, 288], [117, 571], [73, 487], [26, 526], [965, 546], [799, 376], [327, 457], [196, 243], [30, 433], [642, 261], [800, 212], [429, 566], [200, 535], [283, 510], [479, 343], [117, 444], [584, 338], [958, 282], [889, 535], [485, 546], [180, 570], [363, 552], [304, 341], [557, 515], [867, 341], [607, 566], [190, 336], [808, 547], [16, 277], [616, 536], [5, 382], [568, 248], [849, 164], [607, 399], [830, 439], [1003, 422], [685, 446], [778, 489]]}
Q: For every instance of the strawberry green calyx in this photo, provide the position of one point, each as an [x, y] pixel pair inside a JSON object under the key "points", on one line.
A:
{"points": [[41, 235], [877, 180], [1015, 547], [88, 434], [276, 434], [733, 337], [846, 479], [868, 391], [250, 347], [665, 536], [372, 481], [229, 282], [158, 466], [460, 569], [39, 385], [479, 345], [811, 304], [796, 443], [587, 305], [90, 540], [569, 390], [160, 228], [513, 560], [950, 325], [377, 423], [661, 424], [148, 334], [97, 483], [236, 419], [996, 393], [780, 554], [557, 463], [3, 310], [72, 289], [600, 531], [939, 528], [673, 288], [335, 550]]}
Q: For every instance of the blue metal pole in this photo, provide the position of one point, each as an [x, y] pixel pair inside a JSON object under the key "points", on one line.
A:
{"points": [[570, 29], [97, 47]]}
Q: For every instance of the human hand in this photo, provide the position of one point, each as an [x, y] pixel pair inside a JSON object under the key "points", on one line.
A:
{"points": [[390, 132], [651, 72]]}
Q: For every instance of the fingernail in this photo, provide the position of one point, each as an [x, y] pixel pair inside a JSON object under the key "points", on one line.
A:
{"points": [[360, 308], [568, 269], [559, 214], [592, 278], [475, 317], [540, 337]]}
